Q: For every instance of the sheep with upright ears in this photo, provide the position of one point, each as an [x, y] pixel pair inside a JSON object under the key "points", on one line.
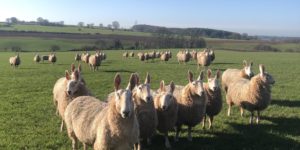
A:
{"points": [[141, 56], [73, 69], [214, 97], [111, 125], [95, 61], [52, 58], [203, 59], [66, 89], [252, 95], [125, 54], [230, 75], [165, 56], [15, 61], [131, 54], [191, 101], [183, 56], [144, 109], [37, 58], [77, 57], [166, 107], [85, 57]]}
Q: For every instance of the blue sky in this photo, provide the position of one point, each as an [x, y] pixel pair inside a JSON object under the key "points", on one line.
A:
{"points": [[255, 17]]}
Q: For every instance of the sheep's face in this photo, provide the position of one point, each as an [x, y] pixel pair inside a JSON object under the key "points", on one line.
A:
{"points": [[267, 78], [248, 69], [124, 104], [213, 84], [165, 100], [197, 87], [143, 91], [72, 87]]}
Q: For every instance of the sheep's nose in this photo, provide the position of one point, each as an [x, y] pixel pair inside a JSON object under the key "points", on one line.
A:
{"points": [[148, 98], [201, 93], [164, 107], [125, 113]]}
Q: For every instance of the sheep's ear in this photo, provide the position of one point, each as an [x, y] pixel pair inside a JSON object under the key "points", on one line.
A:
{"points": [[147, 80], [162, 85], [67, 75], [172, 86], [201, 76], [261, 69], [132, 82], [208, 73], [137, 78], [244, 63], [218, 75], [190, 76], [117, 81], [72, 67], [76, 75], [79, 67], [251, 64]]}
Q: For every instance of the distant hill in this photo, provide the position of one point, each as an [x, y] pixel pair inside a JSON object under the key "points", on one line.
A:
{"points": [[204, 32]]}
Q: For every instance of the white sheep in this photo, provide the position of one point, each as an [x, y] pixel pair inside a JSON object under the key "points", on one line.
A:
{"points": [[66, 89], [231, 75], [111, 125], [252, 95], [37, 58], [15, 61], [191, 101], [214, 97], [144, 110], [166, 107]]}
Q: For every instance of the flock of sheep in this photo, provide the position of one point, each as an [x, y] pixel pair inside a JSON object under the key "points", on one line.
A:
{"points": [[131, 116]]}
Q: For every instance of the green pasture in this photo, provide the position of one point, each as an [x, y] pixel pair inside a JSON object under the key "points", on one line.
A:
{"points": [[27, 112]]}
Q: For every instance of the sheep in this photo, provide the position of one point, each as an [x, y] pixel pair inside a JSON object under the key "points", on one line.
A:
{"points": [[191, 101], [170, 54], [252, 95], [85, 57], [77, 57], [183, 56], [194, 54], [81, 79], [52, 58], [103, 56], [95, 61], [158, 54], [131, 54], [125, 54], [105, 125], [66, 89], [144, 110], [203, 59], [229, 75], [45, 57], [165, 56], [141, 56], [214, 97], [166, 108], [212, 55], [147, 57], [15, 61], [37, 58]]}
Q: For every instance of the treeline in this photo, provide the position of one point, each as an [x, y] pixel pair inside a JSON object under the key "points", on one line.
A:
{"points": [[203, 32], [39, 21]]}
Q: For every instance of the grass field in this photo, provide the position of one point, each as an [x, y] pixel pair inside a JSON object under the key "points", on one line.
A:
{"points": [[28, 120]]}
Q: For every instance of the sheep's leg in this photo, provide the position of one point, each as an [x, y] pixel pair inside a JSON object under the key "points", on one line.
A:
{"points": [[73, 138], [251, 118], [84, 146], [61, 125], [190, 133], [167, 142], [210, 121], [258, 117], [203, 121], [229, 110], [178, 129], [242, 111]]}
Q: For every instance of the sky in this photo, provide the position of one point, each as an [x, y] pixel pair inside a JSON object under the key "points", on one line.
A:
{"points": [[255, 17]]}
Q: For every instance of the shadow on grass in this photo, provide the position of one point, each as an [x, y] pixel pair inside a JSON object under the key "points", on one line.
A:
{"points": [[286, 103], [244, 136], [120, 70], [27, 68], [224, 63]]}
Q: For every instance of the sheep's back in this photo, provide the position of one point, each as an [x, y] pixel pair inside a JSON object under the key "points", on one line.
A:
{"points": [[83, 115]]}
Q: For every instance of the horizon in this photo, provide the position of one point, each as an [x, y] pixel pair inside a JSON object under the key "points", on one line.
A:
{"points": [[263, 18]]}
